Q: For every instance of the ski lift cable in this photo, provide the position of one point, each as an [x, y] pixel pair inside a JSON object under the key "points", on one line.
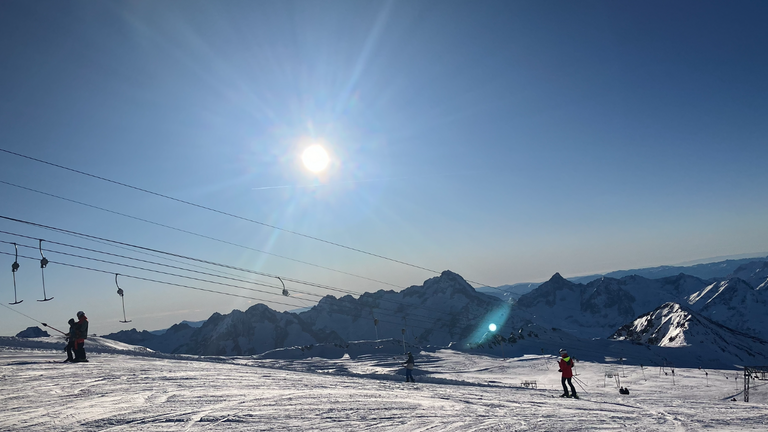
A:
{"points": [[209, 262], [198, 234], [131, 250], [164, 265], [157, 271], [226, 213], [284, 291], [61, 230], [139, 260], [159, 281]]}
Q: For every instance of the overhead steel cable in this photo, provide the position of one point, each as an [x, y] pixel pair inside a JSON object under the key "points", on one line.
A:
{"points": [[129, 258], [158, 281], [136, 251], [189, 203], [163, 272], [196, 234], [299, 281]]}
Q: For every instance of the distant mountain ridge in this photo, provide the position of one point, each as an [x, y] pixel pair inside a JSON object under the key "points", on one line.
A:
{"points": [[599, 307], [444, 309], [673, 325], [447, 311], [711, 270]]}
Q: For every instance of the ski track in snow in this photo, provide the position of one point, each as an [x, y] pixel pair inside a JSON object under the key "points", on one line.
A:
{"points": [[455, 392]]}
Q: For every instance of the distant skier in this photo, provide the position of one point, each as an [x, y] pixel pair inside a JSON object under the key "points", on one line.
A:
{"points": [[409, 368], [566, 363], [81, 333], [70, 340]]}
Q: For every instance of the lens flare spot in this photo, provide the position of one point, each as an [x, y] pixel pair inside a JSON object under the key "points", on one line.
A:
{"points": [[492, 327]]}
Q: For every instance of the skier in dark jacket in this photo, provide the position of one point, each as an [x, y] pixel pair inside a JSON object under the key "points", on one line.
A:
{"points": [[81, 333], [566, 363], [70, 339], [409, 368]]}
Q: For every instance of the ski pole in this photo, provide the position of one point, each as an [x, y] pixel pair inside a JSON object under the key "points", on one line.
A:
{"points": [[578, 381], [53, 328]]}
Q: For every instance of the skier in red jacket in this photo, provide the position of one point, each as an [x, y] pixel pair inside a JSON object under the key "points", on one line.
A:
{"points": [[566, 363], [81, 333]]}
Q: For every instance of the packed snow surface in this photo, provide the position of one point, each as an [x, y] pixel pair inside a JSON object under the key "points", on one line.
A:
{"points": [[139, 390]]}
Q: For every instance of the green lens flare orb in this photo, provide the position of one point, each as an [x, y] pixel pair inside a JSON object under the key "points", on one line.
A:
{"points": [[492, 327]]}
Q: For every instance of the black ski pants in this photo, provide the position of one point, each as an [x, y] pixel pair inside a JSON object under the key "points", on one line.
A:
{"points": [[565, 389], [70, 348], [79, 350]]}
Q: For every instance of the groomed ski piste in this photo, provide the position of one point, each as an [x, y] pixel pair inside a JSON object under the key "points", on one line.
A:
{"points": [[124, 388]]}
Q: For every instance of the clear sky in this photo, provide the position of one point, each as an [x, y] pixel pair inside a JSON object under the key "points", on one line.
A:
{"points": [[502, 140]]}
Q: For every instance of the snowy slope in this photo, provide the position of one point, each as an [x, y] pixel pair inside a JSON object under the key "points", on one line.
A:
{"points": [[736, 304], [58, 343], [169, 340], [254, 331], [454, 392], [754, 273], [672, 325]]}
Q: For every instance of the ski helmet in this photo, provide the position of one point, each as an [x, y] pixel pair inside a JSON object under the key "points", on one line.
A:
{"points": [[80, 313], [563, 351]]}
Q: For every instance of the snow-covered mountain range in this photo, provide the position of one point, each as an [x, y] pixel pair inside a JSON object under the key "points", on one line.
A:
{"points": [[446, 310], [673, 325]]}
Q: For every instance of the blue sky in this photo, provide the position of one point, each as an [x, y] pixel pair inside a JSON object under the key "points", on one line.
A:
{"points": [[505, 141]]}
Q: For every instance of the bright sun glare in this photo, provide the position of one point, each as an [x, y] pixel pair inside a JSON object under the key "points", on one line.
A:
{"points": [[315, 158]]}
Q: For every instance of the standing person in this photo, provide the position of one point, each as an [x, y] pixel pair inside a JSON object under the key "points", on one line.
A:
{"points": [[70, 340], [81, 333], [566, 363], [409, 368]]}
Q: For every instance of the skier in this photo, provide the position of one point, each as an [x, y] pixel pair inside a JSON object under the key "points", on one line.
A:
{"points": [[81, 333], [409, 368], [70, 340], [566, 363]]}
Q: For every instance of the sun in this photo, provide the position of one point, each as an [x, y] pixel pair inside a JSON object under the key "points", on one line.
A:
{"points": [[315, 158]]}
